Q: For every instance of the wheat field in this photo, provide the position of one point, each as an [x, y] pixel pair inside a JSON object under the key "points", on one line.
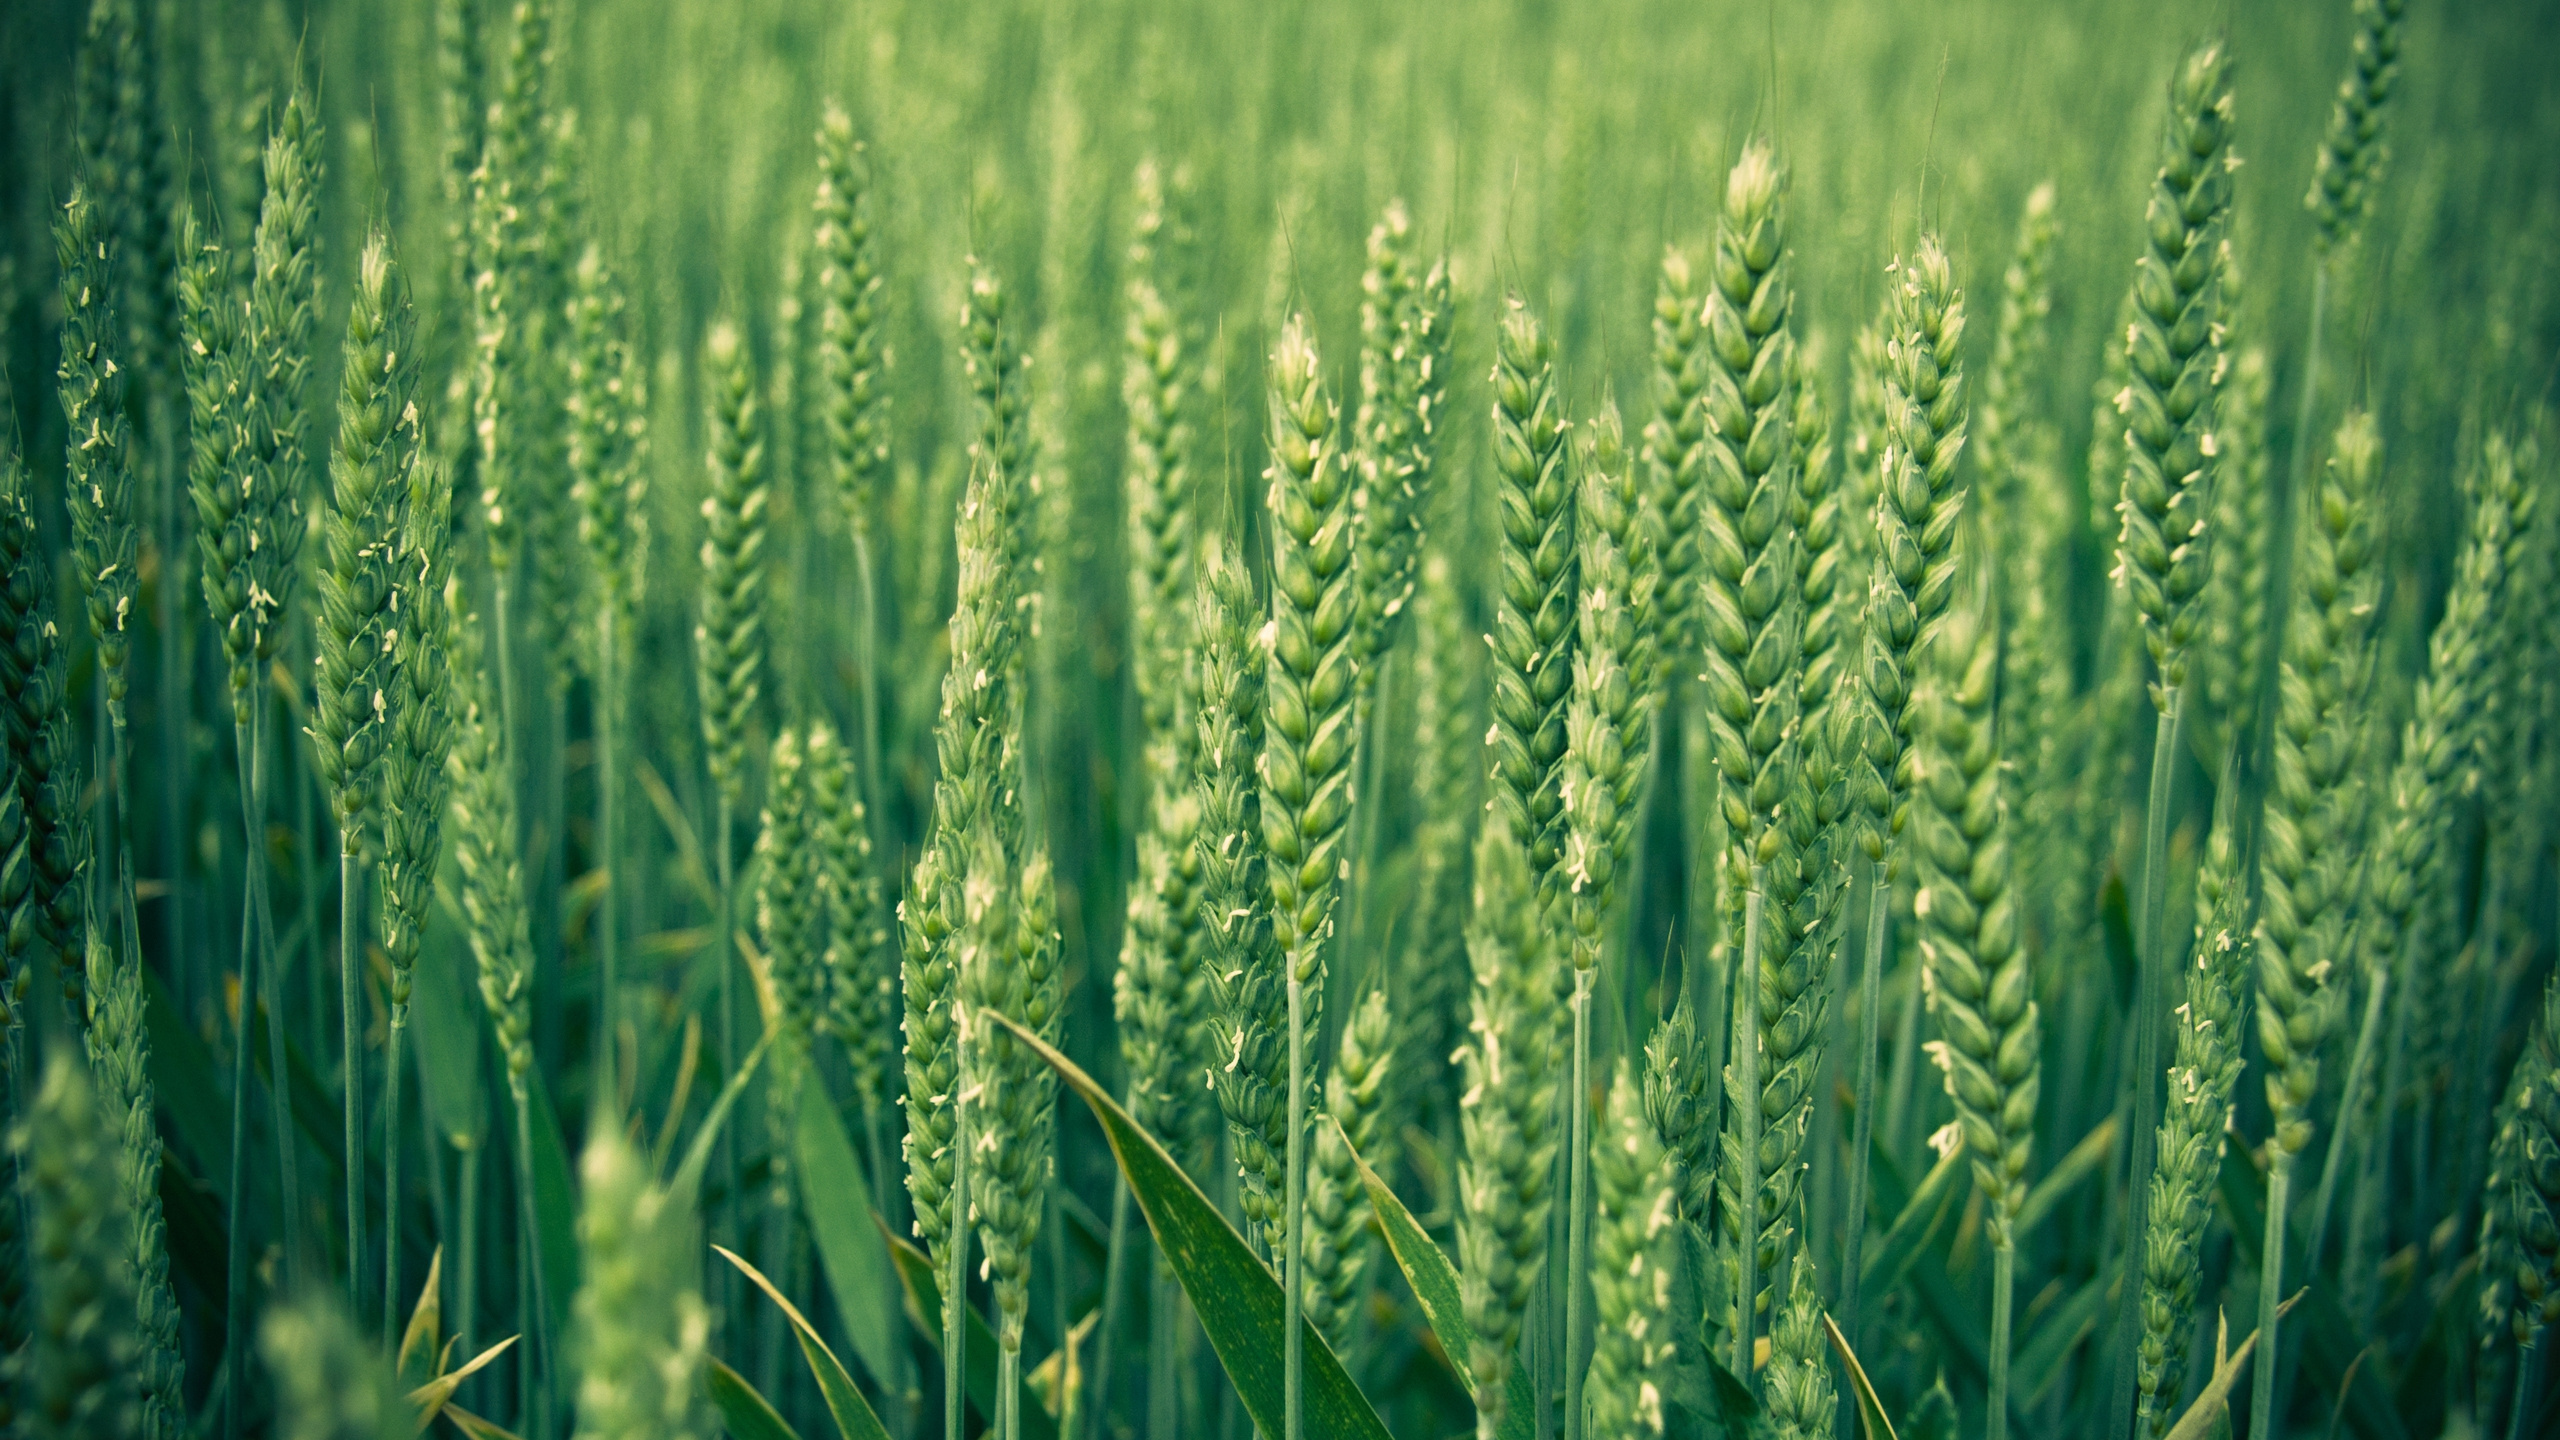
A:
{"points": [[1112, 719]]}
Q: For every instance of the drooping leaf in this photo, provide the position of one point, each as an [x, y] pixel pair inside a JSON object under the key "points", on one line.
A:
{"points": [[420, 1342], [431, 1397], [746, 1414], [837, 1201], [1237, 1300], [2213, 1405], [854, 1417], [1871, 1418], [1434, 1280]]}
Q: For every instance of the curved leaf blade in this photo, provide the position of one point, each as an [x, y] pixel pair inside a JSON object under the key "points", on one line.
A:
{"points": [[1434, 1280], [746, 1414], [1235, 1296], [853, 1414], [837, 1200]]}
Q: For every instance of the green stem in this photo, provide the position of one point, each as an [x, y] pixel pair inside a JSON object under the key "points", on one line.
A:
{"points": [[2262, 1399], [867, 689], [1293, 1344], [1577, 1201], [1115, 1255], [1745, 1202], [351, 1035], [2377, 985], [608, 914], [955, 1270], [1009, 1390], [2004, 1260], [2152, 966], [2528, 1368], [391, 1180], [467, 1251], [1862, 1141], [235, 1269], [537, 1326], [722, 956]]}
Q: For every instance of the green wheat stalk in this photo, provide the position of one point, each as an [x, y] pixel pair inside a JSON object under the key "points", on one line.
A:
{"points": [[2308, 859]]}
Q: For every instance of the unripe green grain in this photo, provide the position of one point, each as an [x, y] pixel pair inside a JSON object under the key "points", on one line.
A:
{"points": [[1635, 1259], [1534, 621], [2202, 1079], [729, 642], [283, 308], [483, 810], [1010, 967], [1338, 1252], [860, 989], [329, 1383], [1802, 1403], [853, 351], [1679, 1103], [42, 884], [120, 1063], [608, 424], [1675, 438], [1918, 507], [1308, 730], [1156, 386], [222, 485], [73, 1380], [2348, 163], [359, 574], [978, 744], [791, 904], [1404, 374], [2308, 858], [640, 1327], [2174, 360], [1608, 726], [97, 479], [2237, 622], [1507, 1112], [1248, 1060]]}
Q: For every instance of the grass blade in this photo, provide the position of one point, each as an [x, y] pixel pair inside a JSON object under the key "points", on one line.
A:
{"points": [[854, 1417], [1237, 1300], [837, 1201], [748, 1415], [1871, 1421], [1434, 1280]]}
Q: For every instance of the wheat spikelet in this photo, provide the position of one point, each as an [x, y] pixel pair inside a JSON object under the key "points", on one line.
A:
{"points": [[2173, 350], [97, 477], [639, 1324], [1635, 1258], [1675, 438], [2348, 163], [72, 1379], [1534, 619]]}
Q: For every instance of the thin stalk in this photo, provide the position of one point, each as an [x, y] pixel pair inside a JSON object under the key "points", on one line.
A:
{"points": [[1746, 1066], [608, 914], [2152, 966], [537, 1325], [351, 1035], [866, 657], [2528, 1370], [2368, 1219], [235, 1269], [2004, 1261], [955, 1271], [174, 695], [1293, 1346], [270, 971], [2377, 985], [2262, 1399], [2310, 375], [1114, 1256], [1862, 1140], [721, 955], [467, 1251], [391, 1180], [1008, 1392], [1577, 1200]]}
